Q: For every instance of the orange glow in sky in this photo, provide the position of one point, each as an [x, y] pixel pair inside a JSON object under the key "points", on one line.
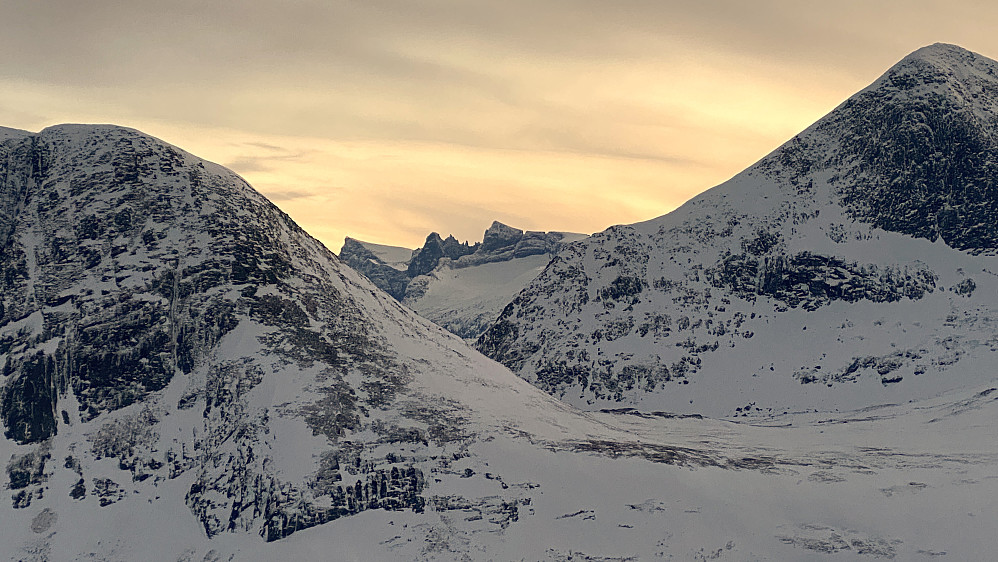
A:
{"points": [[385, 120]]}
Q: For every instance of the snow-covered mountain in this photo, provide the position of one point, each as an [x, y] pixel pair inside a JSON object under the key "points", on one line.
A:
{"points": [[459, 286], [854, 265], [187, 375], [393, 256]]}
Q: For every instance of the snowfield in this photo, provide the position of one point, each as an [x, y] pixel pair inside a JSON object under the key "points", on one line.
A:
{"points": [[901, 482]]}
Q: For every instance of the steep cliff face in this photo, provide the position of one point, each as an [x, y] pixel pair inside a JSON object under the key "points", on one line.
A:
{"points": [[388, 278], [426, 258], [850, 254], [159, 313]]}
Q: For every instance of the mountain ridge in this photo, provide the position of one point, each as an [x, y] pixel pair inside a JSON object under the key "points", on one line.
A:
{"points": [[460, 286], [835, 225], [187, 291], [218, 386]]}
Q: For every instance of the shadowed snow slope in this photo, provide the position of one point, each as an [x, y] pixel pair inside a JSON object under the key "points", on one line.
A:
{"points": [[854, 265]]}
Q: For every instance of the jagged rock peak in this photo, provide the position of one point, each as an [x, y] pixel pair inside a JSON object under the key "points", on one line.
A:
{"points": [[944, 54], [426, 258], [500, 236], [354, 246]]}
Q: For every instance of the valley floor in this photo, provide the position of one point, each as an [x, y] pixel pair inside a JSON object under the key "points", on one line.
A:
{"points": [[913, 481]]}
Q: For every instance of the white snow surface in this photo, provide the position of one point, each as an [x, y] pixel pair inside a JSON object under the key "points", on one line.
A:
{"points": [[901, 482], [463, 298], [394, 256]]}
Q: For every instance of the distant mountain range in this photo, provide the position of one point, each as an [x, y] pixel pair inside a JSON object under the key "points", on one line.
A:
{"points": [[459, 286]]}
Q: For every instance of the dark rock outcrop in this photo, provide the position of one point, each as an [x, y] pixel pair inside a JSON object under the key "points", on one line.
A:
{"points": [[386, 277], [501, 243], [425, 259]]}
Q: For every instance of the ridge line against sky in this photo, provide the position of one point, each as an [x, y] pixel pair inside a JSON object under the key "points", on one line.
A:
{"points": [[384, 120]]}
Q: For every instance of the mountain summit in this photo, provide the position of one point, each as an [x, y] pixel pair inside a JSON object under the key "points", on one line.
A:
{"points": [[851, 266], [175, 350]]}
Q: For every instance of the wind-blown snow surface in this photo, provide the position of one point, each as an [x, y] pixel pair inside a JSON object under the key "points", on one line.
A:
{"points": [[466, 296], [855, 265], [393, 256], [464, 300], [188, 376]]}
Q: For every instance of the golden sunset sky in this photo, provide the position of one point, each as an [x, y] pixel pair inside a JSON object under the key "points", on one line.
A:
{"points": [[387, 119]]}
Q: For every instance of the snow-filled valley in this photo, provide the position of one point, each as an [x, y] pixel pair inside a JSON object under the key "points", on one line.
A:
{"points": [[461, 287], [796, 365]]}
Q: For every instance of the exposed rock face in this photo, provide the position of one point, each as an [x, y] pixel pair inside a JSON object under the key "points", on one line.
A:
{"points": [[191, 329], [101, 269], [502, 242], [425, 259], [499, 236], [920, 150], [831, 233], [386, 277]]}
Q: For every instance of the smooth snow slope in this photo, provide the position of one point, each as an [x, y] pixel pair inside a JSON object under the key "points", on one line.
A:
{"points": [[393, 256], [463, 300]]}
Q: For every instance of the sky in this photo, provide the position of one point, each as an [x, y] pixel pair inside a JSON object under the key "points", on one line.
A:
{"points": [[385, 120]]}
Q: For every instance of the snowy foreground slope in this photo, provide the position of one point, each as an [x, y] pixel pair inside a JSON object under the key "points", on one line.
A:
{"points": [[459, 286], [854, 265], [187, 375]]}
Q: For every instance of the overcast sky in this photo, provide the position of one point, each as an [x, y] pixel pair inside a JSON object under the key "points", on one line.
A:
{"points": [[386, 119]]}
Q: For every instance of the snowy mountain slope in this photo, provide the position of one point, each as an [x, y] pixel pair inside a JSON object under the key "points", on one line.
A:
{"points": [[188, 376], [163, 326], [852, 266], [461, 287], [466, 300], [392, 256], [896, 483]]}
